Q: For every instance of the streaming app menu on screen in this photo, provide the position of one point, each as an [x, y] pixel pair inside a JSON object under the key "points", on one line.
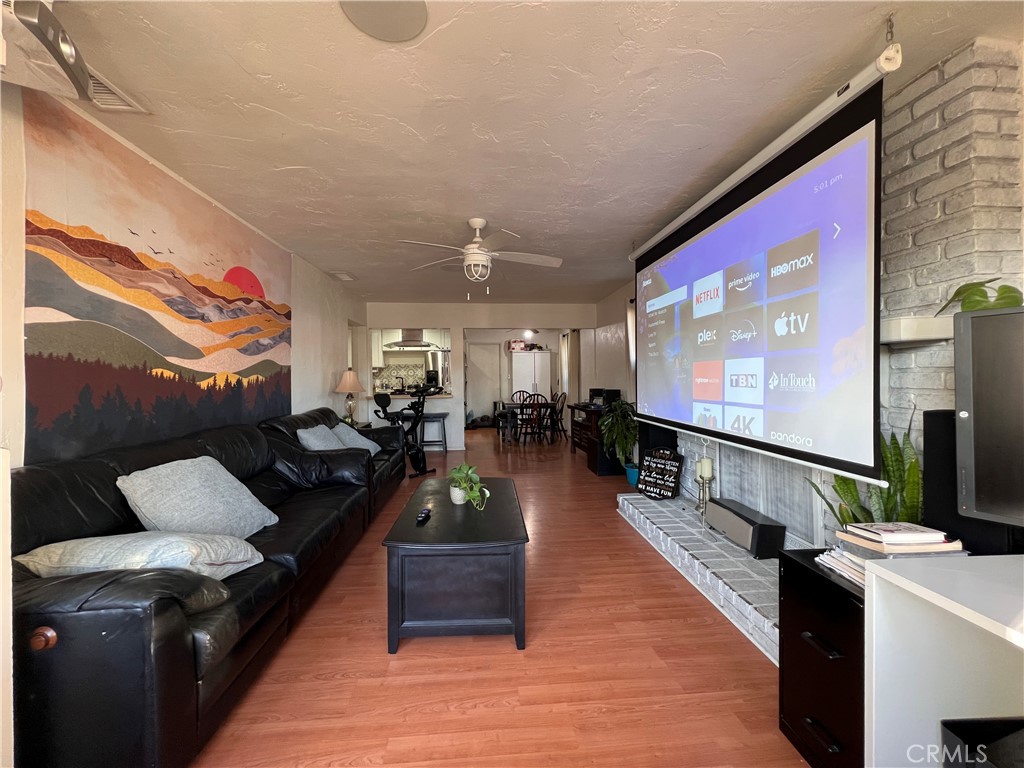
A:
{"points": [[759, 326]]}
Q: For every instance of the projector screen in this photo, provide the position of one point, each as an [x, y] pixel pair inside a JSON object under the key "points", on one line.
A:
{"points": [[757, 318]]}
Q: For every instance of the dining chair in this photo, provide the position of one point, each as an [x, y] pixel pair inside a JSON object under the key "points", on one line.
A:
{"points": [[557, 422], [519, 396], [534, 421]]}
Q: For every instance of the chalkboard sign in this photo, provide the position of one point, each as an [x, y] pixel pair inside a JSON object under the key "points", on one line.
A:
{"points": [[659, 474]]}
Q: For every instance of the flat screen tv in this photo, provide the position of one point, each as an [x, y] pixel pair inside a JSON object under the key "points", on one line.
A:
{"points": [[988, 349], [757, 319]]}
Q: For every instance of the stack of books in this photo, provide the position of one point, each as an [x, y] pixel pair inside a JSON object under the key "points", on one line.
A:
{"points": [[875, 541]]}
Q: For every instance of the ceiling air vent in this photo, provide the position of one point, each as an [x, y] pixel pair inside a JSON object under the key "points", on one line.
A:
{"points": [[109, 98]]}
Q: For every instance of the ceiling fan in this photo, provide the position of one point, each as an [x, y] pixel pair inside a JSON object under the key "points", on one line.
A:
{"points": [[476, 256]]}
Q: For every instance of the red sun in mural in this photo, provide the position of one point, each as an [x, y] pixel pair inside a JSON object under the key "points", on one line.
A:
{"points": [[245, 280]]}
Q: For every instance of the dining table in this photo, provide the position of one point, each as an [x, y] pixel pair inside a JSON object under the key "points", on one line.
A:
{"points": [[523, 412]]}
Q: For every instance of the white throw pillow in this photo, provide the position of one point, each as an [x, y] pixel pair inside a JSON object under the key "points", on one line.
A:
{"points": [[208, 554], [194, 496], [352, 439], [319, 438]]}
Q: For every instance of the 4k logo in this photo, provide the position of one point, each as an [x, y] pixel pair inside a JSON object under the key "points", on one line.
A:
{"points": [[744, 425]]}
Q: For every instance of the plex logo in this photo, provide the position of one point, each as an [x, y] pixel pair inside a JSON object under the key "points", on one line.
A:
{"points": [[707, 336]]}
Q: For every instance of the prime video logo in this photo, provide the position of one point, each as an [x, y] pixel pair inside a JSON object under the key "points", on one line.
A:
{"points": [[792, 265], [792, 382], [744, 282]]}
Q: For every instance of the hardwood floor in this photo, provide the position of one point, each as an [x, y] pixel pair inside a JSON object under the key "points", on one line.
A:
{"points": [[626, 665]]}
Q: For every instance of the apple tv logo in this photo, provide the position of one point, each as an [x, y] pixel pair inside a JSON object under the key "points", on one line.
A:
{"points": [[793, 323]]}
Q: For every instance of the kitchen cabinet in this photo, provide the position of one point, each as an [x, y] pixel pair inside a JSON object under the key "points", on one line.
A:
{"points": [[389, 336], [532, 371], [376, 348], [821, 662], [439, 336]]}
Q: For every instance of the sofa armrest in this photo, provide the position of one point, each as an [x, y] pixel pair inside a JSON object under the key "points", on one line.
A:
{"points": [[111, 590], [386, 437], [313, 469], [104, 668]]}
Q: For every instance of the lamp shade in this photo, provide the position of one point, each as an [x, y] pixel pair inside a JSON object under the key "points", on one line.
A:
{"points": [[349, 382]]}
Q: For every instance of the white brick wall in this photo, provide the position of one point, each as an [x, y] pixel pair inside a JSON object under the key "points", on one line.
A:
{"points": [[951, 204]]}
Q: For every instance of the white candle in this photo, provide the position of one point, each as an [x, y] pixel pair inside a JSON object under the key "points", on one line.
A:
{"points": [[704, 467]]}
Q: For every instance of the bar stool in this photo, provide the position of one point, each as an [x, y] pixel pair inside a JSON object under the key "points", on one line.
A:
{"points": [[436, 418]]}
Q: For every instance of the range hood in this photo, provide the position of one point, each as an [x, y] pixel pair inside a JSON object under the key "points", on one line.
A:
{"points": [[412, 338], [40, 53]]}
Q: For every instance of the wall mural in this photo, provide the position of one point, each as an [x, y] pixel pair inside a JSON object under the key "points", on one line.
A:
{"points": [[149, 311]]}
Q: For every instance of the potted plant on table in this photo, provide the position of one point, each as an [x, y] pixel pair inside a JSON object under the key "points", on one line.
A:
{"points": [[619, 432], [464, 485]]}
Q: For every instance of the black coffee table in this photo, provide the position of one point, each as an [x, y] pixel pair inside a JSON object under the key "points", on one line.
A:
{"points": [[463, 572]]}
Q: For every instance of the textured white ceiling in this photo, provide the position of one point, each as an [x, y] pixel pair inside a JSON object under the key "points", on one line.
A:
{"points": [[584, 127]]}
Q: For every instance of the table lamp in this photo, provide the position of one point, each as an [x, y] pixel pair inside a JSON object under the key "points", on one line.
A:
{"points": [[349, 383]]}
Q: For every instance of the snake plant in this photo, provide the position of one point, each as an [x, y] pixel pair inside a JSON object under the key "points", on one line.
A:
{"points": [[900, 501]]}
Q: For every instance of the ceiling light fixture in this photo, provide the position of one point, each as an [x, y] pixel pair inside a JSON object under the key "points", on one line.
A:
{"points": [[477, 266], [391, 21]]}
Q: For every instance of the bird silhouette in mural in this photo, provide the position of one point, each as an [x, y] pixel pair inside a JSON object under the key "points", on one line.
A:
{"points": [[169, 250], [155, 252], [133, 231]]}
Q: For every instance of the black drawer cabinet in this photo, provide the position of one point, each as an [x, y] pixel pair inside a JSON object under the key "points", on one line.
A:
{"points": [[821, 662]]}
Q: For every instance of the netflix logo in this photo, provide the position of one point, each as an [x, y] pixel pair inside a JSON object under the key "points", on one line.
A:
{"points": [[709, 294]]}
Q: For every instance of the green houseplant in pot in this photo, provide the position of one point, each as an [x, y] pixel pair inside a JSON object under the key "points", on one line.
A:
{"points": [[464, 484], [902, 501], [619, 431]]}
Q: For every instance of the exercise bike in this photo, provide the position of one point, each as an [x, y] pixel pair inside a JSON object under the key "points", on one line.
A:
{"points": [[413, 449]]}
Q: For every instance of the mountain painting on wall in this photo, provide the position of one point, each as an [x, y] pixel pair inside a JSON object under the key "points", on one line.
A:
{"points": [[149, 311]]}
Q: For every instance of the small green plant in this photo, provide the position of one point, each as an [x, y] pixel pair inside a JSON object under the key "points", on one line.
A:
{"points": [[901, 501], [618, 427], [465, 477], [976, 295]]}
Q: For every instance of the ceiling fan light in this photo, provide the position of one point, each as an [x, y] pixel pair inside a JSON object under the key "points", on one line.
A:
{"points": [[477, 267]]}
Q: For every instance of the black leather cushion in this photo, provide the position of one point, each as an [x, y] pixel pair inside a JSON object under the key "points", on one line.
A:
{"points": [[115, 590], [308, 523], [253, 592], [292, 423], [135, 457], [67, 500], [270, 488], [242, 449]]}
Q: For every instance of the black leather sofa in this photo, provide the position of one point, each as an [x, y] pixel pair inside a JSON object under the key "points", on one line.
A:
{"points": [[302, 466], [134, 668]]}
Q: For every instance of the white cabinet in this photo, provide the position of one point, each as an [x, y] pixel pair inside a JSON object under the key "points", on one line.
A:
{"points": [[944, 638], [390, 335], [439, 336], [532, 371], [376, 350]]}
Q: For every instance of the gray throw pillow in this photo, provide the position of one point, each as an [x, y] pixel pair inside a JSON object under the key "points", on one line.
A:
{"points": [[209, 554], [352, 439], [319, 438], [194, 496]]}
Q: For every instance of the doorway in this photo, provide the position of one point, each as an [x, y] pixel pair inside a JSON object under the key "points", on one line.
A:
{"points": [[483, 378]]}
